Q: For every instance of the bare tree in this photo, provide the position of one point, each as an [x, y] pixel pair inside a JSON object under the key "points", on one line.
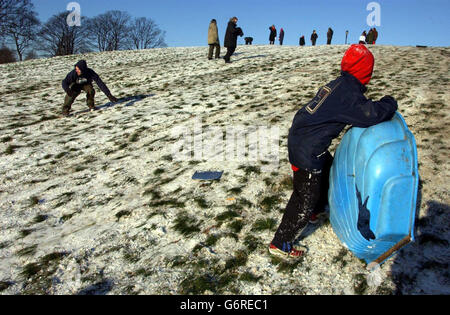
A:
{"points": [[57, 38], [22, 30], [145, 34], [109, 31], [118, 22], [98, 32], [9, 9]]}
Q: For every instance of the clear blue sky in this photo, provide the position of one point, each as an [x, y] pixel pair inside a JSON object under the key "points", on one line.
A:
{"points": [[403, 22]]}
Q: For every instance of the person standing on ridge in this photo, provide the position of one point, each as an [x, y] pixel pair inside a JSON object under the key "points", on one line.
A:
{"points": [[314, 37], [338, 104], [231, 38], [362, 38], [369, 38], [329, 35], [281, 36], [375, 36], [273, 35], [81, 79], [213, 40], [302, 41]]}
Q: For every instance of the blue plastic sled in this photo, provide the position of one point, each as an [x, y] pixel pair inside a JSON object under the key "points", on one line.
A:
{"points": [[373, 190]]}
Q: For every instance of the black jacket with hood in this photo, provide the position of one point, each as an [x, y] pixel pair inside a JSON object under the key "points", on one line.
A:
{"points": [[336, 105], [73, 82], [231, 35]]}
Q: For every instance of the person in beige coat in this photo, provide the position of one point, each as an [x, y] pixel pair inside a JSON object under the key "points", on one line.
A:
{"points": [[213, 40]]}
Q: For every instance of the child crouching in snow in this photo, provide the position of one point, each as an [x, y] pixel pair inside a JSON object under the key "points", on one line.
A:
{"points": [[336, 105]]}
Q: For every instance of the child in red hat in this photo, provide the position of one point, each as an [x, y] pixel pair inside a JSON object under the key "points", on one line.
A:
{"points": [[336, 105]]}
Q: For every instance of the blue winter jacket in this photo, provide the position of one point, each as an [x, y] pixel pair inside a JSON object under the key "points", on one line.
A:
{"points": [[337, 104], [73, 81]]}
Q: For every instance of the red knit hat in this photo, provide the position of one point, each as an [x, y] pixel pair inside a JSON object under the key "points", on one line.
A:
{"points": [[359, 62]]}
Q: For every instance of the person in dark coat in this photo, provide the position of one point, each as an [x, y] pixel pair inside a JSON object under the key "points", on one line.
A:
{"points": [[281, 36], [338, 104], [79, 79], [375, 36], [314, 37], [369, 37], [273, 35], [248, 40], [329, 35], [302, 41], [231, 36]]}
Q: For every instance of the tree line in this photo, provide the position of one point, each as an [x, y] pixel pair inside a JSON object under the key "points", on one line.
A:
{"points": [[21, 30]]}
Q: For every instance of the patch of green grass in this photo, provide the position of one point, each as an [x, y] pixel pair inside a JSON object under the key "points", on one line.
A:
{"points": [[123, 146], [159, 171], [168, 202], [235, 190], [240, 204], [361, 285], [34, 201], [340, 257], [6, 139], [227, 215], [134, 137], [11, 149], [66, 217], [40, 218], [285, 183], [240, 259], [4, 244], [264, 224], [212, 240], [143, 272], [123, 213], [25, 232], [5, 285], [286, 266], [250, 169], [236, 226], [39, 275], [27, 251], [60, 155], [197, 284], [249, 277], [131, 256], [186, 225], [252, 243], [156, 195], [201, 202], [270, 203], [64, 198]]}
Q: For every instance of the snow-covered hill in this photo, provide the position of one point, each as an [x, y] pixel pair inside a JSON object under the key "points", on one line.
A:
{"points": [[98, 203]]}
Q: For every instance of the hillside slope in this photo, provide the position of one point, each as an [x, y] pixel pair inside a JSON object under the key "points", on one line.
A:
{"points": [[98, 204]]}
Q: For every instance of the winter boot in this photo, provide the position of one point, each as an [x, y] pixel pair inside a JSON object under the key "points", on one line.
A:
{"points": [[288, 251]]}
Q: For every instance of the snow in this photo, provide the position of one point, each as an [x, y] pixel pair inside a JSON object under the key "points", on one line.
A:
{"points": [[92, 176]]}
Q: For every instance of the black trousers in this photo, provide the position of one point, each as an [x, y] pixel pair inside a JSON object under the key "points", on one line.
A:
{"points": [[230, 52], [310, 196], [211, 51]]}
